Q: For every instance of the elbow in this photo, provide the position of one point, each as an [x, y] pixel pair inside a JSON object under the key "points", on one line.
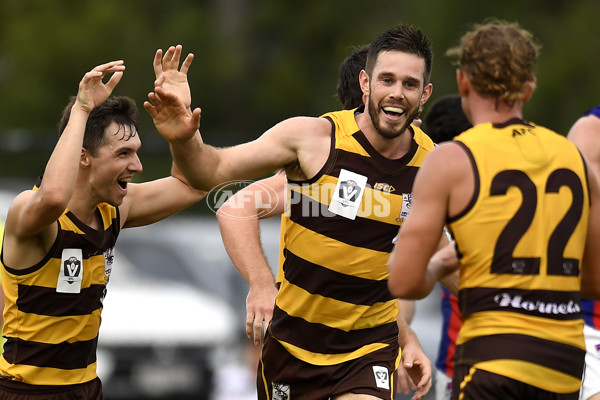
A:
{"points": [[402, 288], [223, 213], [231, 212], [404, 283], [198, 185]]}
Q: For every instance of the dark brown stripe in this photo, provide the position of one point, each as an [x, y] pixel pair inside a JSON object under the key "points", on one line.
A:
{"points": [[558, 356], [330, 158], [62, 356], [374, 172], [334, 285], [364, 232], [92, 242], [90, 246], [326, 340], [561, 306], [401, 178], [587, 178], [46, 301], [512, 121], [385, 164], [45, 391]]}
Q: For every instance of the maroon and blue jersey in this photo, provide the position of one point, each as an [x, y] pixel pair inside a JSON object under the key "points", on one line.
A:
{"points": [[591, 312], [450, 328], [591, 308]]}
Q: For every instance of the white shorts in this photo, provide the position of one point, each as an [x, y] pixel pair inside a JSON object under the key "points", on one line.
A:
{"points": [[591, 373], [443, 386]]}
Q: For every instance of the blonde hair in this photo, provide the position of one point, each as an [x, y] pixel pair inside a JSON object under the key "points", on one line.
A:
{"points": [[499, 59]]}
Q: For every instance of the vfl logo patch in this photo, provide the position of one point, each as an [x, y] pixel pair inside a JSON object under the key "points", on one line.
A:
{"points": [[382, 377], [71, 271], [597, 349], [281, 391], [348, 194], [348, 191]]}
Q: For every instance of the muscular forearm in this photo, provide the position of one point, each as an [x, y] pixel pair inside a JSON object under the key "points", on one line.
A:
{"points": [[241, 238], [406, 336], [406, 310], [62, 168], [196, 161]]}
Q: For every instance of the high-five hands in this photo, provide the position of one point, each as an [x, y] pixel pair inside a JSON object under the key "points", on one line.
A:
{"points": [[172, 78], [93, 91], [170, 103]]}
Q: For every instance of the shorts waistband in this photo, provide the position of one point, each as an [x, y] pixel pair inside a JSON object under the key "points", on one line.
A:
{"points": [[9, 383]]}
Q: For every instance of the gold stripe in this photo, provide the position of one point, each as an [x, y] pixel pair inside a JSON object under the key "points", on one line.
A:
{"points": [[54, 330], [336, 256], [532, 374], [330, 359], [108, 213], [68, 225], [465, 382], [313, 308], [264, 378], [495, 323], [523, 282], [47, 276], [47, 376], [349, 144]]}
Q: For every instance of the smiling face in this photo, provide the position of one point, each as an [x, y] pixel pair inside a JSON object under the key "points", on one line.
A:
{"points": [[395, 91], [114, 164]]}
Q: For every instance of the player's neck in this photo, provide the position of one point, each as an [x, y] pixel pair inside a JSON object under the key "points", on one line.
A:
{"points": [[488, 111], [392, 148], [84, 207]]}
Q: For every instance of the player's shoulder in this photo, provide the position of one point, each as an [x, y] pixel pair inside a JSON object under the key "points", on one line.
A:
{"points": [[449, 155], [422, 139], [300, 128]]}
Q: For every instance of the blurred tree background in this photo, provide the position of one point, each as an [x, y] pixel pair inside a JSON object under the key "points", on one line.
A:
{"points": [[256, 62]]}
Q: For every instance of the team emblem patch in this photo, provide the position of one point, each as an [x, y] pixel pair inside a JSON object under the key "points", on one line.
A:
{"points": [[281, 391], [71, 271], [348, 194], [382, 377]]}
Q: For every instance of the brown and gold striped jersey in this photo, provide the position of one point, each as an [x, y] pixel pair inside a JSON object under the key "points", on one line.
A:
{"points": [[52, 313], [522, 239], [333, 304]]}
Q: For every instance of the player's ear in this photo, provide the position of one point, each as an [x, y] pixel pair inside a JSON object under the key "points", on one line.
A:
{"points": [[84, 159], [363, 79], [529, 88], [462, 81], [427, 91]]}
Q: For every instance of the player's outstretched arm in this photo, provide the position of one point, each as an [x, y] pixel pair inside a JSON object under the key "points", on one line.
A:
{"points": [[239, 223]]}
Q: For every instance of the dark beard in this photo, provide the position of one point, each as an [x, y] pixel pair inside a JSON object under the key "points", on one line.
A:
{"points": [[386, 133]]}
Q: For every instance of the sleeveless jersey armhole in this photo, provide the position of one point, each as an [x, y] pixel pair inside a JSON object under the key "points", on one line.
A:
{"points": [[476, 187]]}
